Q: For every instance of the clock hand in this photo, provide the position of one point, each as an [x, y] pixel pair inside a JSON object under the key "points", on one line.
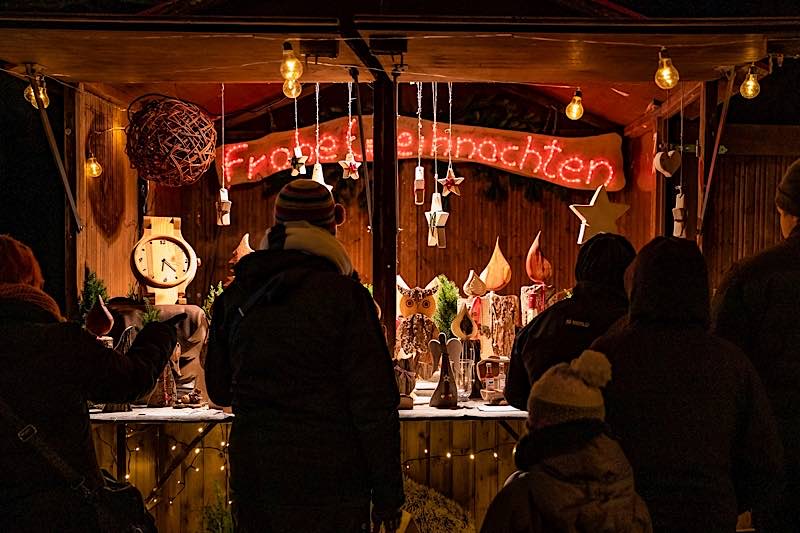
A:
{"points": [[164, 262]]}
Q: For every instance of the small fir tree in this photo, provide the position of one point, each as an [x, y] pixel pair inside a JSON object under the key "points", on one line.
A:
{"points": [[446, 305], [150, 313], [93, 287], [208, 303]]}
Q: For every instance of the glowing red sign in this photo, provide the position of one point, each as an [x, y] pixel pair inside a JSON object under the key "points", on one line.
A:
{"points": [[574, 162]]}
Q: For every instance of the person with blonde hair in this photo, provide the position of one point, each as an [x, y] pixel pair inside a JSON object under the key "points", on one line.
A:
{"points": [[51, 367]]}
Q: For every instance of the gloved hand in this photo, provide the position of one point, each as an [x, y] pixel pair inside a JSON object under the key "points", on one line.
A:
{"points": [[390, 520]]}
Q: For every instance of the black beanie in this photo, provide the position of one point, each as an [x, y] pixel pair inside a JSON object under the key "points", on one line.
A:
{"points": [[788, 195], [603, 259]]}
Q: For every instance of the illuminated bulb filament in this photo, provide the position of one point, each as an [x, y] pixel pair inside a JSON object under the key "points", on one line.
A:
{"points": [[575, 107], [292, 88], [291, 67], [42, 94], [449, 455], [750, 86], [197, 450], [93, 167], [667, 75]]}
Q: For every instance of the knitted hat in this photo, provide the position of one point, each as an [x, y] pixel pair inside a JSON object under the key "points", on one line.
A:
{"points": [[305, 199], [570, 391], [787, 196]]}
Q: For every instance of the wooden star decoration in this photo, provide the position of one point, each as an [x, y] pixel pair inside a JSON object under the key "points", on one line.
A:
{"points": [[298, 162], [450, 183], [350, 166], [599, 216], [436, 219]]}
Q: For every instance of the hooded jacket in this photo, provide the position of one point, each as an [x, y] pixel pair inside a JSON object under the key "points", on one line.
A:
{"points": [[50, 370], [568, 327], [574, 478], [311, 382], [689, 408], [757, 308]]}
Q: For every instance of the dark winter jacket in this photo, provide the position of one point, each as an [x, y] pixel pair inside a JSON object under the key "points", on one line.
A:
{"points": [[311, 382], [50, 370], [689, 409], [565, 329], [574, 478], [757, 308]]}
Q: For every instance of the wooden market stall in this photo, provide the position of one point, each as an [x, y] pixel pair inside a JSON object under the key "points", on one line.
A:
{"points": [[513, 76]]}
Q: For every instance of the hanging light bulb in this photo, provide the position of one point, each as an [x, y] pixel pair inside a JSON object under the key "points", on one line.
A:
{"points": [[575, 107], [291, 67], [29, 96], [750, 86], [667, 75], [93, 167], [292, 88]]}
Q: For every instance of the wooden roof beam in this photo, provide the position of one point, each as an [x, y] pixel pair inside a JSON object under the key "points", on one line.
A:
{"points": [[670, 107]]}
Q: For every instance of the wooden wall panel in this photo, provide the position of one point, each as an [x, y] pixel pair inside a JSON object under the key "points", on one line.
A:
{"points": [[741, 218], [107, 204], [475, 222]]}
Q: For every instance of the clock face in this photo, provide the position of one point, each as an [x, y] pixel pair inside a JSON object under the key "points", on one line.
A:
{"points": [[162, 261]]}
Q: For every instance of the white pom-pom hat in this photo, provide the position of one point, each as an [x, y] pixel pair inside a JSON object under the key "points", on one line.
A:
{"points": [[570, 391]]}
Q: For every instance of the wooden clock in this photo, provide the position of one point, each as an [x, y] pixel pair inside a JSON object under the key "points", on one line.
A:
{"points": [[163, 261]]}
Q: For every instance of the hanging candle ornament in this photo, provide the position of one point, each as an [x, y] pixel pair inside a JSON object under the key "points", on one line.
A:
{"points": [[419, 172], [436, 218], [317, 174], [223, 204], [450, 182], [298, 160], [349, 164]]}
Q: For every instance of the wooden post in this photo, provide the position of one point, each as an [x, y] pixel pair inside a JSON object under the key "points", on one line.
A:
{"points": [[384, 217], [705, 152]]}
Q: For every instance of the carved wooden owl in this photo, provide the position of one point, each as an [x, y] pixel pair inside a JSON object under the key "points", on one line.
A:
{"points": [[418, 301]]}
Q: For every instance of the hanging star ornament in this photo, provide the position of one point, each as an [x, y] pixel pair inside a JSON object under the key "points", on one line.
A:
{"points": [[350, 166], [436, 218], [450, 183], [298, 162], [599, 216]]}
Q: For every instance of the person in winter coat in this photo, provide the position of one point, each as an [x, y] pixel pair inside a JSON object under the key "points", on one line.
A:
{"points": [[565, 329], [688, 407], [757, 308], [50, 369], [573, 475], [296, 348]]}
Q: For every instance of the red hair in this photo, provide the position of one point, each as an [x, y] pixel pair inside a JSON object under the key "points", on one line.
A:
{"points": [[18, 264]]}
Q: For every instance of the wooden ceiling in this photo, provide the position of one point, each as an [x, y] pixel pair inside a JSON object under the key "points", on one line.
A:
{"points": [[115, 56]]}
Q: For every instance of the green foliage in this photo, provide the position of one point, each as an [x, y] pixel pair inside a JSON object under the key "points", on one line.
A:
{"points": [[446, 305], [208, 303], [92, 288], [368, 286], [217, 516], [150, 314]]}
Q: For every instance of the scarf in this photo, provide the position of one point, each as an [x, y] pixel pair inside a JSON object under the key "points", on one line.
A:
{"points": [[30, 295], [305, 237]]}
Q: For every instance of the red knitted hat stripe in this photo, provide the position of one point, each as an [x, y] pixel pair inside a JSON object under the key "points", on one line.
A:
{"points": [[305, 199]]}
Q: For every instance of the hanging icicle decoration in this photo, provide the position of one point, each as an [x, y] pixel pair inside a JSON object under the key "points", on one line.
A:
{"points": [[317, 174], [349, 164], [223, 204], [419, 172], [298, 160], [450, 182], [436, 217]]}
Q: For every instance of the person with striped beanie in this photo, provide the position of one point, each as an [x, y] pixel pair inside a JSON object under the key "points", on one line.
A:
{"points": [[297, 350]]}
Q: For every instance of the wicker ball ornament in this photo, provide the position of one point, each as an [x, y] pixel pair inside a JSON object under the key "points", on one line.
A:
{"points": [[170, 141]]}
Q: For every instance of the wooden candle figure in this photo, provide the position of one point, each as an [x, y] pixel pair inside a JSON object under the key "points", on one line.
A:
{"points": [[446, 394], [533, 298]]}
